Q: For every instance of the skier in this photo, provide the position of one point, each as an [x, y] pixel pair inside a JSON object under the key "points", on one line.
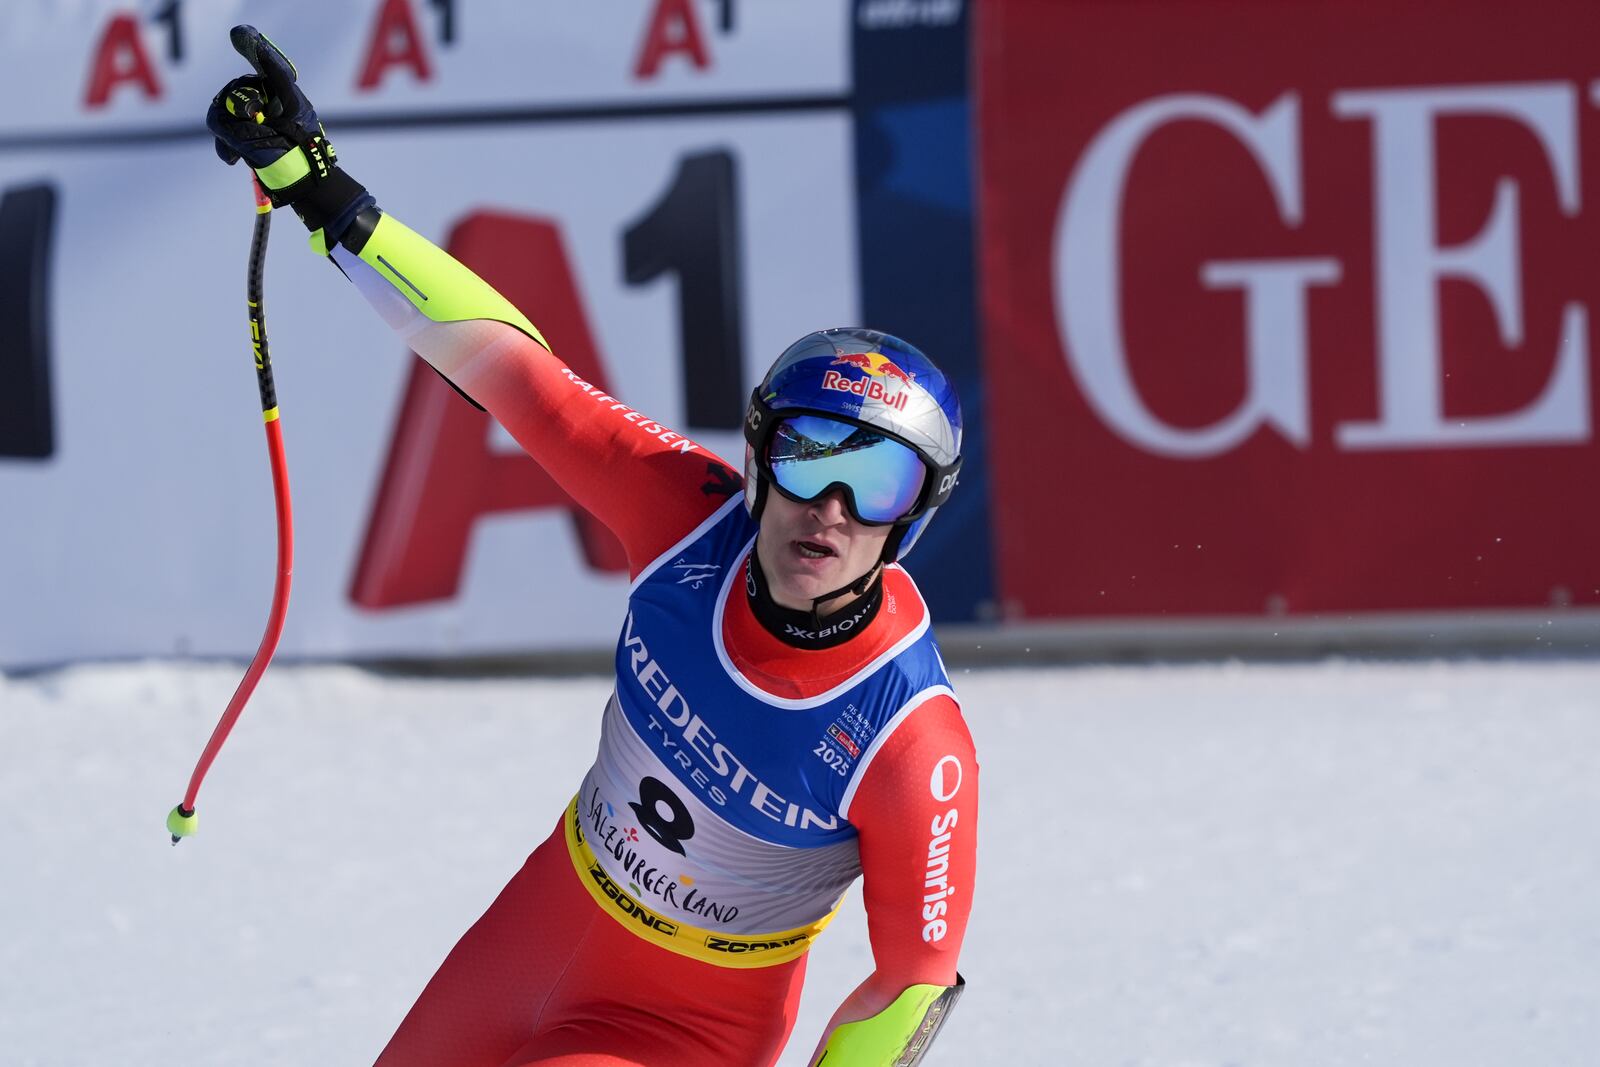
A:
{"points": [[781, 721]]}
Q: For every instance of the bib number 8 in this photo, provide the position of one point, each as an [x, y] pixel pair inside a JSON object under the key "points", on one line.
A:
{"points": [[671, 828]]}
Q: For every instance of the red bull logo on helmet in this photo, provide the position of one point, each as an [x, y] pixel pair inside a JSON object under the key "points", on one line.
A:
{"points": [[876, 364], [882, 371]]}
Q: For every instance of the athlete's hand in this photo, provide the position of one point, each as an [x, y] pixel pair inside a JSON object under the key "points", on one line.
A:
{"points": [[266, 120]]}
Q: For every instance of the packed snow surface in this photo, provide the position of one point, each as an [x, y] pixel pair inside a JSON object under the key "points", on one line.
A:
{"points": [[1198, 866]]}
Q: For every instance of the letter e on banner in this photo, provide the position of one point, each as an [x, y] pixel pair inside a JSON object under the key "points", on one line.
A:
{"points": [[1411, 263]]}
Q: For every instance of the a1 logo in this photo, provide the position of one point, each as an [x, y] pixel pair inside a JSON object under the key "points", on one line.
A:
{"points": [[442, 477]]}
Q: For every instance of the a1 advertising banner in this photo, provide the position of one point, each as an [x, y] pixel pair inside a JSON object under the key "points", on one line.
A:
{"points": [[1289, 308], [670, 189]]}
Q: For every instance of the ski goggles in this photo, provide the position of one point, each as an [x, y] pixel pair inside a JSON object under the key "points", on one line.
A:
{"points": [[809, 455]]}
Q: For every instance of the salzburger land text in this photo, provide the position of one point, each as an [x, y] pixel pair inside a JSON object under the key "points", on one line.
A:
{"points": [[636, 867]]}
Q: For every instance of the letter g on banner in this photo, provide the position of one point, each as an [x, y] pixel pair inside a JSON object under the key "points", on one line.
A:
{"points": [[1087, 264]]}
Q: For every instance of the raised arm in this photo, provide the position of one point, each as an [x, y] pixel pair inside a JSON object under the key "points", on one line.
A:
{"points": [[648, 484], [916, 811]]}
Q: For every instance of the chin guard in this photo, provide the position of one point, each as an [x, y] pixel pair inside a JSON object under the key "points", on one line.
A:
{"points": [[899, 1035]]}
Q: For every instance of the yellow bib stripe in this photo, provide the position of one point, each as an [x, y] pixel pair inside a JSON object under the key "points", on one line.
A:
{"points": [[709, 946]]}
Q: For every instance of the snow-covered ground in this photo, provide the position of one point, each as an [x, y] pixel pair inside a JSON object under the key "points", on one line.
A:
{"points": [[1273, 866]]}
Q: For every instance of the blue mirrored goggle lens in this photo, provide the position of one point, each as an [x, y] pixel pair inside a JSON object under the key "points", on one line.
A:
{"points": [[809, 453]]}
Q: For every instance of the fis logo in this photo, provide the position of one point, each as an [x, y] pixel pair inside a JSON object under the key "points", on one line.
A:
{"points": [[886, 381], [695, 575]]}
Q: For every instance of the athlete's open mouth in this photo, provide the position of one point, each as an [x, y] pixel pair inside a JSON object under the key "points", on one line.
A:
{"points": [[812, 550]]}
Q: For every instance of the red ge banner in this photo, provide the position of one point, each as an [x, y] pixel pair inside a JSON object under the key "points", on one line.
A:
{"points": [[1290, 307]]}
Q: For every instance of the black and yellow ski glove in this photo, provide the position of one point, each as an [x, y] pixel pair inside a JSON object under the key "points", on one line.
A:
{"points": [[265, 119]]}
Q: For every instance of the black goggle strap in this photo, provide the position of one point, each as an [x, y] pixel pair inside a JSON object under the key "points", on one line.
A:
{"points": [[940, 485]]}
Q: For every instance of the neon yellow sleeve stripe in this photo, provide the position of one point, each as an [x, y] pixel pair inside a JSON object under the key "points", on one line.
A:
{"points": [[435, 282], [884, 1039], [289, 168]]}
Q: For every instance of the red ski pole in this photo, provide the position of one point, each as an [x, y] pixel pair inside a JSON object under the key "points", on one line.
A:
{"points": [[182, 820]]}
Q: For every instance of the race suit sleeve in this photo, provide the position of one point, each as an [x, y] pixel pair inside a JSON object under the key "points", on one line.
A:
{"points": [[649, 485], [916, 811], [919, 847]]}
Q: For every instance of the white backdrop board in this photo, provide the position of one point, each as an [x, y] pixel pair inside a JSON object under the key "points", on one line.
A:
{"points": [[142, 523]]}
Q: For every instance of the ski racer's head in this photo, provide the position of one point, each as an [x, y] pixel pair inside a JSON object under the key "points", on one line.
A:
{"points": [[852, 441]]}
